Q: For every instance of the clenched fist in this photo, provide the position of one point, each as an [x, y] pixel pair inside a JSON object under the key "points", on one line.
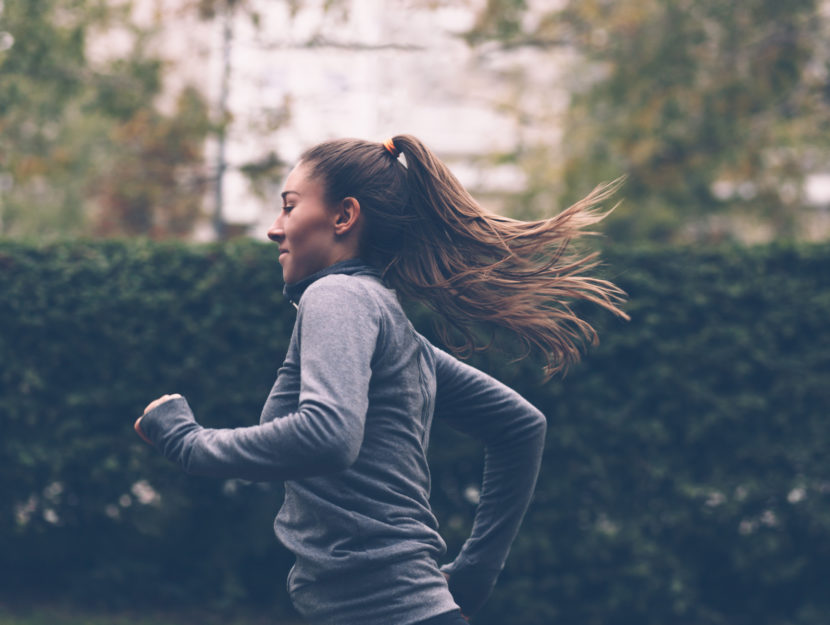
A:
{"points": [[150, 406]]}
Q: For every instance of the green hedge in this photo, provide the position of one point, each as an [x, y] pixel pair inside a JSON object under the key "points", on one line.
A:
{"points": [[686, 478]]}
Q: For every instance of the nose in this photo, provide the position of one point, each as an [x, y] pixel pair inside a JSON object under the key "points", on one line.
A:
{"points": [[275, 232]]}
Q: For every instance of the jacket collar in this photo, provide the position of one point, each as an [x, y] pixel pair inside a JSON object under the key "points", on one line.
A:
{"points": [[352, 267]]}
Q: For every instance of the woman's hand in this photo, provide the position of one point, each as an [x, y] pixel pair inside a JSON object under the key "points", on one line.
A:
{"points": [[160, 401], [150, 406]]}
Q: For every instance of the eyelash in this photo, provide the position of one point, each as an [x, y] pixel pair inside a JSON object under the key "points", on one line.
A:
{"points": [[287, 208]]}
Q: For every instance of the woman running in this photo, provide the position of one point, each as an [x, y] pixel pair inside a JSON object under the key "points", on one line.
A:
{"points": [[347, 423]]}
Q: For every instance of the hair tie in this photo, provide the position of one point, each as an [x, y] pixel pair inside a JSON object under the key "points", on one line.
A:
{"points": [[389, 144]]}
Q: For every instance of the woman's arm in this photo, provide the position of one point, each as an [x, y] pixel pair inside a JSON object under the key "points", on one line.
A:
{"points": [[513, 432], [337, 327]]}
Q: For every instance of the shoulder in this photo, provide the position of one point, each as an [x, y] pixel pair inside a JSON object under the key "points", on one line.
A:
{"points": [[339, 294], [340, 286]]}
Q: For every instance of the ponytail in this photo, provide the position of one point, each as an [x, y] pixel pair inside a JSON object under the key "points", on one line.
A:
{"points": [[435, 244]]}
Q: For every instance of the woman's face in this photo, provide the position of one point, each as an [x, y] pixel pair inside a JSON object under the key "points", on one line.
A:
{"points": [[304, 228]]}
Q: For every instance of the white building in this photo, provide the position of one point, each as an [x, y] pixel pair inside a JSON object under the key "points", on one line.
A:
{"points": [[365, 68], [370, 69]]}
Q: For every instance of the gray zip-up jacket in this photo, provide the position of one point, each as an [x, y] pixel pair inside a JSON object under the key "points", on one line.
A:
{"points": [[346, 426]]}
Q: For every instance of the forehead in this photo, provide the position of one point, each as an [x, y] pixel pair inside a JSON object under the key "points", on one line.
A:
{"points": [[299, 181]]}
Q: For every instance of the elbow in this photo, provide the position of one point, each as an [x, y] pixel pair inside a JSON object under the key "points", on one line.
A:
{"points": [[340, 455], [540, 423], [536, 428]]}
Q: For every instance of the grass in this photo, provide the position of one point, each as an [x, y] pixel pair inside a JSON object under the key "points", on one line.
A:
{"points": [[70, 615]]}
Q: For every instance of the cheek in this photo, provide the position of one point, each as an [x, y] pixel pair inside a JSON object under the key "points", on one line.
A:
{"points": [[306, 232], [310, 239]]}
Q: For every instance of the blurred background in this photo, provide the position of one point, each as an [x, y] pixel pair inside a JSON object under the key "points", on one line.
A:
{"points": [[143, 144], [179, 118]]}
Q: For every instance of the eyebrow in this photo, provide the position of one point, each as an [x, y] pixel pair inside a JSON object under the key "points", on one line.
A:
{"points": [[284, 193]]}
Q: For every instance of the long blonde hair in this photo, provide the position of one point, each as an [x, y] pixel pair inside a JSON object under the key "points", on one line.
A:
{"points": [[434, 243]]}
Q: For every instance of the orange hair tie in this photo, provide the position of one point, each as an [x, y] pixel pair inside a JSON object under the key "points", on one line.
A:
{"points": [[389, 144]]}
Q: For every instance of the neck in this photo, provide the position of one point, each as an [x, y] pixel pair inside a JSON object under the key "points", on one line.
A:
{"points": [[350, 266]]}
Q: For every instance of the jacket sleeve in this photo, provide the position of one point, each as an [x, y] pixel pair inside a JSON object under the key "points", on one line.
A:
{"points": [[337, 333], [513, 432]]}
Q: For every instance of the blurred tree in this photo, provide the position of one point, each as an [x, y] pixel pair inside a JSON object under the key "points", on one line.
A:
{"points": [[83, 149], [156, 185], [710, 108]]}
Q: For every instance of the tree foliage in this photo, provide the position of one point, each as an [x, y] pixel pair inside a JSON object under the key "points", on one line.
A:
{"points": [[709, 108], [83, 146], [157, 183], [685, 477]]}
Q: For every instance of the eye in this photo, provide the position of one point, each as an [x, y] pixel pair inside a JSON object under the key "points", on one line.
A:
{"points": [[287, 208]]}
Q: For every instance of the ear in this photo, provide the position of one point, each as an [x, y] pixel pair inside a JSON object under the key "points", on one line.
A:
{"points": [[346, 216]]}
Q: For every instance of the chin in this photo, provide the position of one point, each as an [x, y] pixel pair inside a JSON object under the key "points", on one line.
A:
{"points": [[287, 275]]}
